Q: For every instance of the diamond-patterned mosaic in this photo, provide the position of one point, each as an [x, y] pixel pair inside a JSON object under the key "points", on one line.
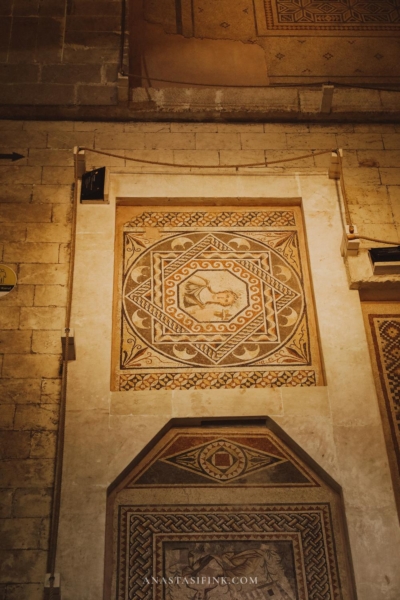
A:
{"points": [[333, 14]]}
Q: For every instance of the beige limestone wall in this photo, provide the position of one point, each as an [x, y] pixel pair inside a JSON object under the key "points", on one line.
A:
{"points": [[331, 423]]}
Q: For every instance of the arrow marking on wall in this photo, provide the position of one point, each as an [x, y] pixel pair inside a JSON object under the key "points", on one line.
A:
{"points": [[13, 156]]}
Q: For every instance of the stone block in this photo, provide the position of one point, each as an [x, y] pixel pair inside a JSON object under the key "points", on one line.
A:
{"points": [[359, 141], [50, 295], [46, 342], [62, 73], [5, 28], [196, 157], [16, 193], [64, 255], [9, 317], [50, 157], [27, 73], [13, 233], [117, 140], [27, 591], [48, 126], [94, 161], [50, 39], [390, 176], [30, 366], [110, 71], [391, 141], [19, 534], [28, 473], [6, 498], [10, 213], [361, 176], [11, 174], [103, 7], [43, 444], [22, 295], [70, 139], [43, 274], [263, 141], [50, 390], [52, 194], [218, 141], [20, 391], [23, 39], [54, 232], [30, 502], [80, 53], [42, 317], [36, 417], [55, 175], [62, 213], [8, 125], [94, 22], [379, 158], [7, 412], [15, 444], [37, 93], [171, 141], [237, 157], [311, 141], [31, 252], [24, 566], [97, 95], [93, 39], [15, 342], [23, 139], [136, 127]]}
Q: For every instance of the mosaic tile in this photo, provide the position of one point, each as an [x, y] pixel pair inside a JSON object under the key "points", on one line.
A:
{"points": [[385, 330], [214, 299], [344, 15], [179, 533]]}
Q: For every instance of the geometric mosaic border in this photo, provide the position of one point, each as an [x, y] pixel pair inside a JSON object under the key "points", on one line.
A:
{"points": [[143, 529], [216, 380], [342, 15], [386, 337]]}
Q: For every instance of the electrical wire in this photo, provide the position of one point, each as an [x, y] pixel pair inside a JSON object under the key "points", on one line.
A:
{"points": [[262, 86], [182, 165], [59, 458]]}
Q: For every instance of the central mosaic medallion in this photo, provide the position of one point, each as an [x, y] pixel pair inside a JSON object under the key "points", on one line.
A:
{"points": [[211, 298]]}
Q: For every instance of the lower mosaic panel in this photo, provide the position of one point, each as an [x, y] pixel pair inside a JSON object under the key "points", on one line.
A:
{"points": [[211, 299], [284, 552]]}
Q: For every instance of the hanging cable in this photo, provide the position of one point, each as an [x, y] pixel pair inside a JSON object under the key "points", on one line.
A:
{"points": [[58, 462], [264, 85], [266, 163]]}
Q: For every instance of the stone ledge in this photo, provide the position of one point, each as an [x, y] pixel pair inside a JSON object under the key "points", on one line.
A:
{"points": [[226, 104]]}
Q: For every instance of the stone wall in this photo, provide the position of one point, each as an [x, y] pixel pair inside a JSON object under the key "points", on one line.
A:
{"points": [[56, 52], [35, 206]]}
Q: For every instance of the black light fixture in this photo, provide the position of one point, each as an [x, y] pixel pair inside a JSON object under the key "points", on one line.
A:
{"points": [[385, 261], [92, 189]]}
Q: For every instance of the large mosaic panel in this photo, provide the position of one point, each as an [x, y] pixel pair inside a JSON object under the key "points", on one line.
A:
{"points": [[180, 532], [344, 15], [214, 299], [384, 331]]}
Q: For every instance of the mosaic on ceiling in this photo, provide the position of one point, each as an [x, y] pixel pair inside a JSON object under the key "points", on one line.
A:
{"points": [[196, 541], [340, 14], [215, 300]]}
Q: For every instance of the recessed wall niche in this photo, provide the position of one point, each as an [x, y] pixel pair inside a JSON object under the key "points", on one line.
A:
{"points": [[207, 297], [228, 511]]}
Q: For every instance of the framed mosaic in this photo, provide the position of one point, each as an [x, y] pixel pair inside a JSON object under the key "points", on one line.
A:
{"points": [[211, 298], [179, 533], [382, 320]]}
